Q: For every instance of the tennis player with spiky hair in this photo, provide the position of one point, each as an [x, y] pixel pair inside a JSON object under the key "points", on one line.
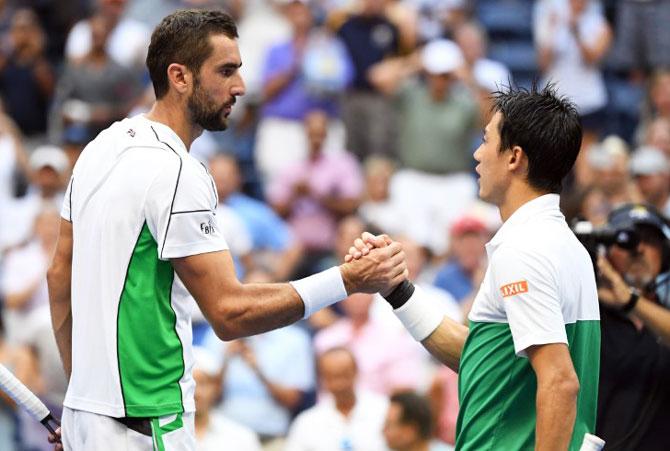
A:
{"points": [[139, 237], [529, 361]]}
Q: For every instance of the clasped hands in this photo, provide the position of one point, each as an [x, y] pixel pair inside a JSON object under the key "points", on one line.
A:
{"points": [[374, 264]]}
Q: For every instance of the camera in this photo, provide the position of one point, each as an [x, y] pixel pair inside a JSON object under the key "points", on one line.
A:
{"points": [[595, 237]]}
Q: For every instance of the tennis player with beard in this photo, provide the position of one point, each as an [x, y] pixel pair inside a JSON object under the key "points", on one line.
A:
{"points": [[139, 237]]}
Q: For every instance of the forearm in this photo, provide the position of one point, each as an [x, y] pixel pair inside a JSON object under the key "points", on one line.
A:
{"points": [[556, 405], [655, 317], [287, 397], [446, 342], [256, 308]]}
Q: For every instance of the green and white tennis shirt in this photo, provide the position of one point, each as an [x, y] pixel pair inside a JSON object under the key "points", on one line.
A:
{"points": [[539, 288], [136, 199]]}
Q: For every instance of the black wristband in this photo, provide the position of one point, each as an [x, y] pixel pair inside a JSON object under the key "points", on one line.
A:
{"points": [[400, 294], [632, 301]]}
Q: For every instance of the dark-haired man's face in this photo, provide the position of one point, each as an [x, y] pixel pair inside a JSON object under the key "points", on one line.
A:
{"points": [[398, 435], [217, 86], [492, 167]]}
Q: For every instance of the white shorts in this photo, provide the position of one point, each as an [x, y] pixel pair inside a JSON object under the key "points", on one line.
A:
{"points": [[86, 431]]}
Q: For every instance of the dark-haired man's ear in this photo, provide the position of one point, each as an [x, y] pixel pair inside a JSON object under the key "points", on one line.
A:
{"points": [[516, 158], [180, 77]]}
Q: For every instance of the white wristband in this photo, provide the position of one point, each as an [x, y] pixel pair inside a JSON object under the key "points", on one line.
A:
{"points": [[320, 290], [419, 315]]}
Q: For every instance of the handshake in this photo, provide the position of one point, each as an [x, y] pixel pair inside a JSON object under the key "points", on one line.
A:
{"points": [[374, 264]]}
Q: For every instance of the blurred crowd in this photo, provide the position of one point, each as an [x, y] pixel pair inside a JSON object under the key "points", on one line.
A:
{"points": [[360, 115]]}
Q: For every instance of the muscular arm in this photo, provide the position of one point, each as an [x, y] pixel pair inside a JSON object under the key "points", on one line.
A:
{"points": [[59, 278], [556, 398], [237, 310], [446, 342]]}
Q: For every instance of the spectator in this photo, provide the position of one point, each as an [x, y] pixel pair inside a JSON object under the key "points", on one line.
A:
{"points": [[651, 173], [264, 379], [26, 77], [387, 356], [443, 396], [572, 38], [24, 285], [633, 393], [294, 85], [608, 163], [462, 274], [213, 431], [643, 34], [369, 118], [659, 98], [13, 160], [438, 121], [94, 90], [378, 209], [239, 141], [345, 418], [409, 424], [314, 194], [273, 245], [482, 75], [49, 168], [657, 134], [128, 40]]}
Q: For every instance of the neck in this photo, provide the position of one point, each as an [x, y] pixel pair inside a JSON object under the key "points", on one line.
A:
{"points": [[517, 196], [168, 112], [345, 403]]}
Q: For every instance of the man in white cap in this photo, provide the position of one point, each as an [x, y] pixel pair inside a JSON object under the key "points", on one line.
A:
{"points": [[650, 170], [438, 121]]}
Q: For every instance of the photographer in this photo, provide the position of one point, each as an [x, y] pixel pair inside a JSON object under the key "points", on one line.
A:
{"points": [[634, 395]]}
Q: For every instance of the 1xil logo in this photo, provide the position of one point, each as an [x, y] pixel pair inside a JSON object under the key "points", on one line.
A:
{"points": [[207, 227], [511, 289]]}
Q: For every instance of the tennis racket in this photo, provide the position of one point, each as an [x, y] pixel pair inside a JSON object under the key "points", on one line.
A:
{"points": [[27, 399]]}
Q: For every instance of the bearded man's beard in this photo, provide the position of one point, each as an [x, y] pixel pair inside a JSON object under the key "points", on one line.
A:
{"points": [[204, 112]]}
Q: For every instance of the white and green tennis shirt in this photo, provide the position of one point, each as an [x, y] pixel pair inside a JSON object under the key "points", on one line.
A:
{"points": [[539, 288], [136, 199]]}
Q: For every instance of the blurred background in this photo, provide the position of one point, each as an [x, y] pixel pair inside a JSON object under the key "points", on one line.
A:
{"points": [[359, 115]]}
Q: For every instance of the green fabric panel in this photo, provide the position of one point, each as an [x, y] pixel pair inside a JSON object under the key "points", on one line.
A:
{"points": [[149, 350], [497, 389], [158, 431]]}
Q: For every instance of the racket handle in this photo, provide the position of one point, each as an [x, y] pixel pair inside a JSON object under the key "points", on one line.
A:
{"points": [[21, 395]]}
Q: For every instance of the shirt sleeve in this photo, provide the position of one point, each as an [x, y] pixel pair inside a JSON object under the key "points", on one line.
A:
{"points": [[529, 290], [66, 209], [179, 210]]}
